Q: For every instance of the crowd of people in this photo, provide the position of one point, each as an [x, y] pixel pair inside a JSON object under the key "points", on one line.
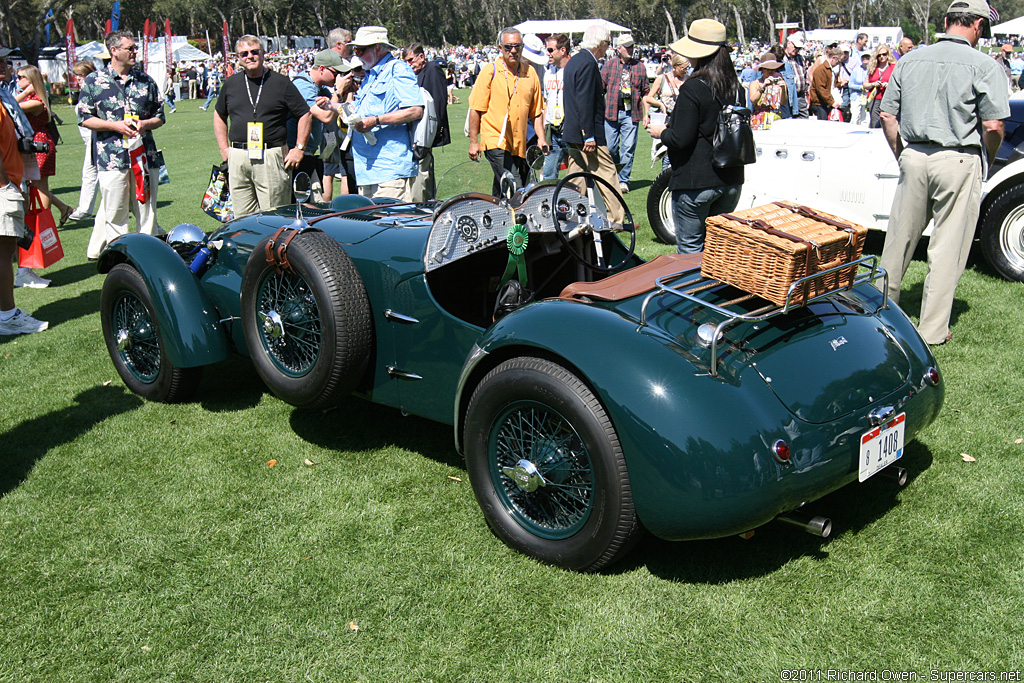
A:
{"points": [[363, 116]]}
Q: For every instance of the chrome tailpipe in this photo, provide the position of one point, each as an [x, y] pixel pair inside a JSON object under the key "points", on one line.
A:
{"points": [[896, 474], [816, 526]]}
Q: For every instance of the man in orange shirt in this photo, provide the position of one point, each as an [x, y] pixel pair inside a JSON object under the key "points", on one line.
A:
{"points": [[13, 320], [506, 96]]}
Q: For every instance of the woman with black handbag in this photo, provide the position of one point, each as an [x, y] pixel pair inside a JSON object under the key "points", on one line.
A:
{"points": [[699, 187]]}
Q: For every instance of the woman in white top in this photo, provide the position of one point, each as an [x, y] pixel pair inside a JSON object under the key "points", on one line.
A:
{"points": [[663, 92], [666, 86]]}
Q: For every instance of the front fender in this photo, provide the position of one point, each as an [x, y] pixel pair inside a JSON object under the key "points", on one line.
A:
{"points": [[189, 327]]}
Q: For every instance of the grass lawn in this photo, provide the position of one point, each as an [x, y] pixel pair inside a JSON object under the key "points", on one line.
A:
{"points": [[148, 542]]}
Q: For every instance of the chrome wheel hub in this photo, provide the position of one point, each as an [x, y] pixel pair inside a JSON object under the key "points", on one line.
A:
{"points": [[273, 325], [525, 475]]}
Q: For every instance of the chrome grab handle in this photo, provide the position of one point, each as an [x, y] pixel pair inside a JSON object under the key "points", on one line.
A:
{"points": [[881, 415]]}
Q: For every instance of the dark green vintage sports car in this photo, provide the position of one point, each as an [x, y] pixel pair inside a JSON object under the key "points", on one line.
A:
{"points": [[592, 394]]}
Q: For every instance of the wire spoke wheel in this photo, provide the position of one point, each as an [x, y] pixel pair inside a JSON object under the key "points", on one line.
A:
{"points": [[547, 467], [137, 342], [542, 470], [289, 323], [307, 323]]}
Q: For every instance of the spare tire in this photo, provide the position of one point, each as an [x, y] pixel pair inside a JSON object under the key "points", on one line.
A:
{"points": [[308, 328], [659, 208]]}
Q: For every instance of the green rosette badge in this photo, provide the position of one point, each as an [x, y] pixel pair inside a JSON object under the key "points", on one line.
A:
{"points": [[517, 239]]}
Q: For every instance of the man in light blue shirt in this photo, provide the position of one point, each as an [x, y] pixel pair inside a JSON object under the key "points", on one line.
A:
{"points": [[388, 99], [858, 105]]}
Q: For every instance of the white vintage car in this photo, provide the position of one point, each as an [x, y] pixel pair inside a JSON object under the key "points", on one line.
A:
{"points": [[851, 172]]}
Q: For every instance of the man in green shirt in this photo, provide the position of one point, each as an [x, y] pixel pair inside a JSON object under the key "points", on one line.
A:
{"points": [[947, 101]]}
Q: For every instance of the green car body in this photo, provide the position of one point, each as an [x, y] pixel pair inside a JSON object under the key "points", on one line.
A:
{"points": [[696, 437]]}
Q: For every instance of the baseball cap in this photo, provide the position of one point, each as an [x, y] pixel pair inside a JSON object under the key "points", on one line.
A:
{"points": [[330, 59], [625, 40], [978, 8], [798, 41], [4, 51]]}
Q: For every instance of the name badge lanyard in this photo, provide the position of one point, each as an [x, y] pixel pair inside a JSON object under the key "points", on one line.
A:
{"points": [[504, 123], [254, 130]]}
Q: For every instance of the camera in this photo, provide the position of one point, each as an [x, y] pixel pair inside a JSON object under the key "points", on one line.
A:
{"points": [[30, 146]]}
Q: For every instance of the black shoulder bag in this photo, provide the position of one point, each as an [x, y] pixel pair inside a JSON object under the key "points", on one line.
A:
{"points": [[733, 142]]}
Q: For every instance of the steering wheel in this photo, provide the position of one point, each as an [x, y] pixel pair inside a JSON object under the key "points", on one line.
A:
{"points": [[598, 223]]}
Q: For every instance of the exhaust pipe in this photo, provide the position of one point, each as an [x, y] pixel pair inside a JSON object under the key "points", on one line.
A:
{"points": [[896, 474], [816, 526]]}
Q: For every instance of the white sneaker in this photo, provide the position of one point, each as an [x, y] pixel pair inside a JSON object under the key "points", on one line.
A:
{"points": [[623, 188], [77, 215], [22, 323], [26, 278]]}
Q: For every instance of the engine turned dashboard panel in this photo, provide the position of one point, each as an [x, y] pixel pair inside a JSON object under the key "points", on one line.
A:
{"points": [[472, 222]]}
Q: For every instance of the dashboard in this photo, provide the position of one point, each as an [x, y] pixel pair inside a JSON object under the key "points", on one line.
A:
{"points": [[469, 223]]}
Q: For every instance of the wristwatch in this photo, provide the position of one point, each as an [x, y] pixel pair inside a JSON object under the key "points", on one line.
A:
{"points": [[300, 146]]}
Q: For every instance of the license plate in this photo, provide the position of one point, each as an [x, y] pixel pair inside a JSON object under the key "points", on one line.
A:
{"points": [[882, 446]]}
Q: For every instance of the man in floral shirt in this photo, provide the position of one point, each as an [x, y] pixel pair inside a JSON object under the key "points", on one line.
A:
{"points": [[122, 104], [625, 85]]}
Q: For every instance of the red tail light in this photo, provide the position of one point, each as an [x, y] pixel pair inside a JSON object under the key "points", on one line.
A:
{"points": [[780, 449]]}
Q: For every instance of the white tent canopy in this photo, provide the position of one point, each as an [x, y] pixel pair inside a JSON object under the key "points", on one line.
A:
{"points": [[1013, 27], [567, 26]]}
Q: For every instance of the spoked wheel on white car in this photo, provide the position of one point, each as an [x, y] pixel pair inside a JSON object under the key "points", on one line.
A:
{"points": [[1001, 230], [659, 209], [547, 468]]}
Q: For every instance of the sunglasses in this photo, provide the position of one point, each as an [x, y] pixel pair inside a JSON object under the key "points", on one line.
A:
{"points": [[133, 48], [360, 49], [509, 47], [245, 53]]}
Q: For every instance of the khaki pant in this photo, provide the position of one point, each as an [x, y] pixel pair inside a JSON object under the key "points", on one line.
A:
{"points": [[943, 184], [117, 199], [400, 189], [599, 162], [424, 186], [258, 185]]}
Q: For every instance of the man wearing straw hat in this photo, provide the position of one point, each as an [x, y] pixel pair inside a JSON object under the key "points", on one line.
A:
{"points": [[388, 99], [583, 128], [947, 153]]}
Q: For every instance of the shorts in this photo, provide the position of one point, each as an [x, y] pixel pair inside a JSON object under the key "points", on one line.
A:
{"points": [[336, 170], [12, 212]]}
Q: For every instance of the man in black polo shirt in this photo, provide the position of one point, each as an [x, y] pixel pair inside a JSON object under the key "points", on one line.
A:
{"points": [[259, 101]]}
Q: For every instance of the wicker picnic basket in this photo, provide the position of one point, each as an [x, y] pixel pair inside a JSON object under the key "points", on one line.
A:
{"points": [[765, 249]]}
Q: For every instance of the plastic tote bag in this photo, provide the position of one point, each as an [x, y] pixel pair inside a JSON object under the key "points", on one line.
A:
{"points": [[217, 198], [45, 249]]}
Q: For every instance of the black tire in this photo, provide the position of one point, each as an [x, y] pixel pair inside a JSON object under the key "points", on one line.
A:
{"points": [[308, 329], [659, 209], [1002, 233], [134, 340], [530, 419]]}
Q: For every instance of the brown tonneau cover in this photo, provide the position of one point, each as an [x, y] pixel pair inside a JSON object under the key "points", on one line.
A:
{"points": [[634, 281]]}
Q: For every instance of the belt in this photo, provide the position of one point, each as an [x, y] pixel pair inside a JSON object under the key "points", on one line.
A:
{"points": [[245, 145], [966, 149]]}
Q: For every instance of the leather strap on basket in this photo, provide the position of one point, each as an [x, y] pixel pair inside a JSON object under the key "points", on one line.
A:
{"points": [[759, 224], [852, 243], [277, 252]]}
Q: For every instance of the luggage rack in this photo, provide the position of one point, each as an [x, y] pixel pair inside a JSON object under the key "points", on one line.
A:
{"points": [[689, 289]]}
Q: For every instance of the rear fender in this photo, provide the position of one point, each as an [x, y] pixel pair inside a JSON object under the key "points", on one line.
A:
{"points": [[189, 323]]}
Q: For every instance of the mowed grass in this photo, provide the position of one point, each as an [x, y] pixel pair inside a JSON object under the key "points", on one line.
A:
{"points": [[149, 542]]}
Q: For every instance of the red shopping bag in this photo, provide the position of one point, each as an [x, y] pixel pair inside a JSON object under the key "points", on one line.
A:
{"points": [[46, 249], [835, 115]]}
